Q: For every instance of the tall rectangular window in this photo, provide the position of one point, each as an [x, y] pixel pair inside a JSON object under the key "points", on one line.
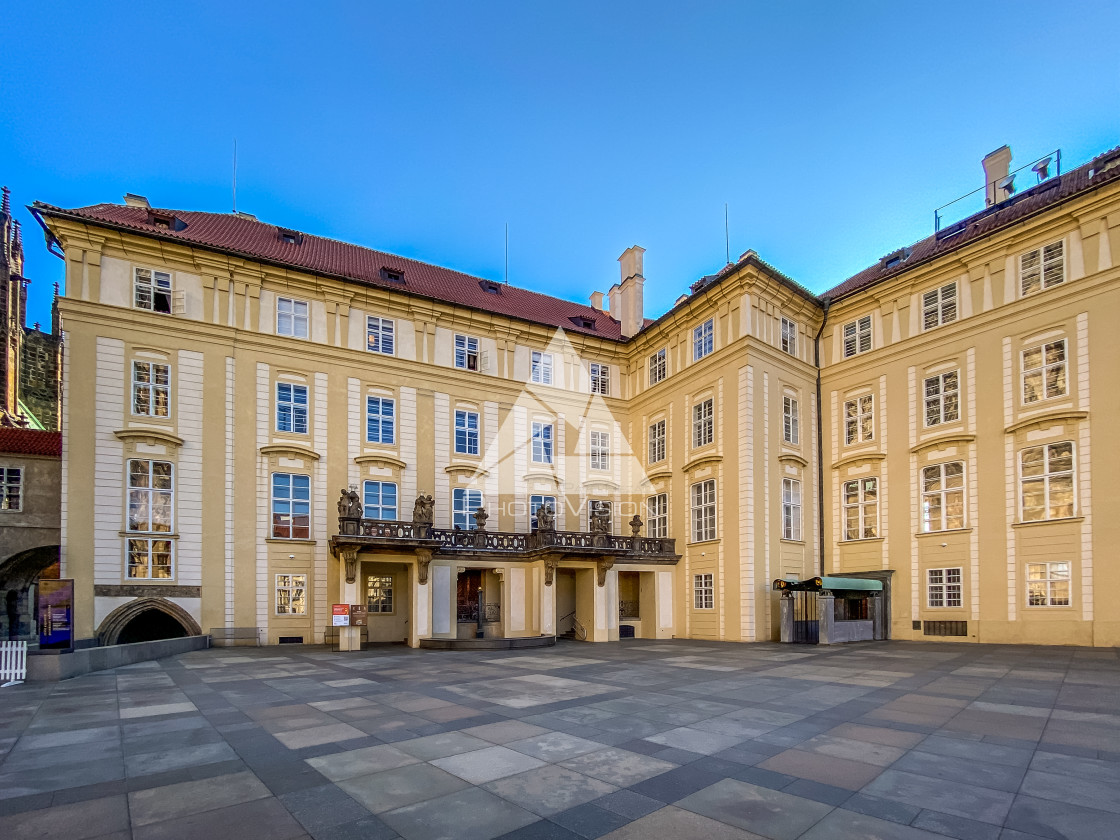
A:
{"points": [[291, 594], [703, 340], [151, 507], [542, 443], [600, 379], [542, 368], [859, 420], [657, 367], [790, 431], [291, 317], [657, 516], [466, 352], [463, 505], [703, 592], [291, 506], [535, 502], [291, 408], [704, 510], [942, 398], [789, 336], [1046, 479], [152, 290], [379, 335], [791, 509], [943, 496], [379, 594], [939, 306], [151, 384], [381, 420], [1044, 371], [861, 509], [657, 442], [379, 500], [597, 505], [1042, 268], [1048, 584], [943, 587], [11, 486], [466, 432], [703, 428], [857, 336], [600, 450]]}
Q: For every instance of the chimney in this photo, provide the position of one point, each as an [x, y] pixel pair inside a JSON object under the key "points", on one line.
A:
{"points": [[597, 301], [631, 309], [996, 166], [134, 200], [615, 297]]}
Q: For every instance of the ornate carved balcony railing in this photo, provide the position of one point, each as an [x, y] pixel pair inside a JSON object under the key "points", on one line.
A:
{"points": [[480, 540], [628, 609], [390, 529]]}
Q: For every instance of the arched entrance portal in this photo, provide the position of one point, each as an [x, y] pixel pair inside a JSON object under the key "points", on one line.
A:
{"points": [[18, 575], [146, 620]]}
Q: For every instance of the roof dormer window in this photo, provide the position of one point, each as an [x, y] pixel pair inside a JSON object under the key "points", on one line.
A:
{"points": [[894, 259], [290, 237], [164, 220], [584, 322], [490, 287], [393, 275]]}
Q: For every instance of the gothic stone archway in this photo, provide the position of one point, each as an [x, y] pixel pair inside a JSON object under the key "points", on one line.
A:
{"points": [[122, 621]]}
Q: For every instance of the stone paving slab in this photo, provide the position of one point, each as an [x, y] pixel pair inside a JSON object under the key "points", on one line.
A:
{"points": [[678, 739]]}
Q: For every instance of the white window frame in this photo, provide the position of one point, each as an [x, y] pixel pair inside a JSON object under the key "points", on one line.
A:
{"points": [[1042, 373], [1058, 474], [380, 335], [463, 507], [703, 423], [941, 398], [149, 390], [379, 596], [11, 488], [857, 337], [381, 424], [600, 450], [295, 411], [656, 446], [292, 317], [542, 437], [703, 591], [155, 539], [467, 356], [153, 292], [703, 497], [600, 379], [703, 340], [789, 336], [791, 509], [297, 501], [465, 435], [864, 505], [943, 485], [378, 500], [939, 306], [945, 588], [541, 368], [291, 594], [1045, 582], [1042, 268], [791, 423], [535, 501], [859, 419], [657, 516], [658, 367]]}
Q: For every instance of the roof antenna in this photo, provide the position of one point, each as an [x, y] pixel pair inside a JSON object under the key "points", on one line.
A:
{"points": [[726, 233], [507, 253], [235, 175]]}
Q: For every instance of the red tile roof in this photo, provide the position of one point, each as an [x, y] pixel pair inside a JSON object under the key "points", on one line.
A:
{"points": [[30, 442], [315, 254]]}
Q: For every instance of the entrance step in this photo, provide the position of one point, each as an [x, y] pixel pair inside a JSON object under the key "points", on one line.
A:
{"points": [[487, 644]]}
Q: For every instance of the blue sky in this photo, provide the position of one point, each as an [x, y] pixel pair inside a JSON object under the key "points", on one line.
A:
{"points": [[832, 130]]}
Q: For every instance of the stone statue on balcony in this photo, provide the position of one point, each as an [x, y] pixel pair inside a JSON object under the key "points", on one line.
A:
{"points": [[423, 512], [480, 517], [546, 519], [353, 505], [600, 521], [636, 526], [343, 502]]}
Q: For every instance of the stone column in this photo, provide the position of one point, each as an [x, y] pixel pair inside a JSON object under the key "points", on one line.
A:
{"points": [[785, 609], [826, 616], [349, 638], [878, 619]]}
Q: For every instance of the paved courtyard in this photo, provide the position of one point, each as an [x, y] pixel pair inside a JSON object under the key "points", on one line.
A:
{"points": [[628, 740]]}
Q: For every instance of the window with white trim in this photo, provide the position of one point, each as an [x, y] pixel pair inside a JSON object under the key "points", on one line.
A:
{"points": [[379, 500], [464, 503], [1048, 584], [657, 442], [542, 443], [861, 509], [857, 336], [703, 592], [291, 408], [703, 340], [11, 487], [657, 367], [381, 420], [594, 505], [704, 510], [152, 290], [859, 420], [151, 389], [542, 368], [791, 432], [380, 335], [466, 352], [600, 379], [151, 510], [466, 432], [703, 423], [942, 398], [291, 506], [1044, 371], [1046, 480], [939, 306], [943, 587], [1042, 268], [379, 594], [535, 503], [789, 336], [600, 450], [657, 516], [291, 594], [943, 496], [791, 509], [291, 317]]}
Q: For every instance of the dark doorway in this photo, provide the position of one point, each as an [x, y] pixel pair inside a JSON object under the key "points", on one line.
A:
{"points": [[149, 626], [466, 600]]}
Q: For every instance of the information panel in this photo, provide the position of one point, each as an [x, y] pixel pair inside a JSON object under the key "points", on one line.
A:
{"points": [[56, 614], [340, 613]]}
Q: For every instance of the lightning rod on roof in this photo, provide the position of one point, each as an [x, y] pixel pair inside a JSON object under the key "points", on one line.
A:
{"points": [[507, 254], [726, 233], [234, 174]]}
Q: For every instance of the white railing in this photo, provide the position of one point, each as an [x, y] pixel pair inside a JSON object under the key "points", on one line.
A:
{"points": [[13, 663]]}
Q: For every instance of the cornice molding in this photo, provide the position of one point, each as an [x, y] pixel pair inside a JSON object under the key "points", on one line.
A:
{"points": [[292, 449], [150, 436], [1046, 418]]}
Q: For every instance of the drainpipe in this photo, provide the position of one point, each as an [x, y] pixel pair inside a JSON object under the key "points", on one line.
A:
{"points": [[825, 302]]}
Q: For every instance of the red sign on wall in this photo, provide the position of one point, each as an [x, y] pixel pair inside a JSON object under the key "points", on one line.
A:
{"points": [[341, 615]]}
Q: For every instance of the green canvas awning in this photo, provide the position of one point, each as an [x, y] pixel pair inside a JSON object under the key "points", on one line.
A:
{"points": [[851, 583]]}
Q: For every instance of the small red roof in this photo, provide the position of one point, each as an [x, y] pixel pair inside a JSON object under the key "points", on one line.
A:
{"points": [[30, 442]]}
